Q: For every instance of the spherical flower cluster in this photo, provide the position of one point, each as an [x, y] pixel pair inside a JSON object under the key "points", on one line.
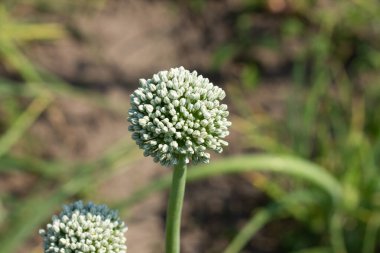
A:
{"points": [[177, 114], [83, 228]]}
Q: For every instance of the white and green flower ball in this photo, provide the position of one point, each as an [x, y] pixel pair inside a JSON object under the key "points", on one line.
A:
{"points": [[82, 228], [178, 113]]}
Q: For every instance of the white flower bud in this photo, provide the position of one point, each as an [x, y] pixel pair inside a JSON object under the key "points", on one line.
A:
{"points": [[182, 106]]}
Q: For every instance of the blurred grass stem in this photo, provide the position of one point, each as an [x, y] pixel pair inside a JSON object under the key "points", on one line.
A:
{"points": [[336, 234], [260, 219], [283, 164], [25, 120]]}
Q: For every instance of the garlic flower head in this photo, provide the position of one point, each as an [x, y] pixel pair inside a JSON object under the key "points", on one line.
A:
{"points": [[82, 228], [177, 113]]}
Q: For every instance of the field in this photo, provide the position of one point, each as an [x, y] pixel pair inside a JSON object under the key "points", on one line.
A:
{"points": [[301, 172]]}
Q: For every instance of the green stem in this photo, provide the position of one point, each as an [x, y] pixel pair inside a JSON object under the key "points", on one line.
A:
{"points": [[369, 242], [173, 217], [336, 234]]}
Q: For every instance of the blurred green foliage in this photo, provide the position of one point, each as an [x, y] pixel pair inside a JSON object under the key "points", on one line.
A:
{"points": [[326, 141], [26, 92], [332, 112]]}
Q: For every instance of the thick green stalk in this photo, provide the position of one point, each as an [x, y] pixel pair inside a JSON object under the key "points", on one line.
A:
{"points": [[173, 218]]}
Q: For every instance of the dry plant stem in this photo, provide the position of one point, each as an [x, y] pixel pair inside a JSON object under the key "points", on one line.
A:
{"points": [[173, 217]]}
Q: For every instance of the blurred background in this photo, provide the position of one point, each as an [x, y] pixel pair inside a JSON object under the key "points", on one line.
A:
{"points": [[302, 79]]}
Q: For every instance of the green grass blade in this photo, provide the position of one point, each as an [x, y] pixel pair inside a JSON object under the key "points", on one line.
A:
{"points": [[51, 169], [336, 234], [25, 120], [290, 165], [10, 88], [31, 32], [13, 57], [372, 230], [260, 219], [261, 162], [264, 216]]}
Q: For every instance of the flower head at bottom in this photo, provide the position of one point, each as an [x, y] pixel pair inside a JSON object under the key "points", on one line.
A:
{"points": [[81, 228]]}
